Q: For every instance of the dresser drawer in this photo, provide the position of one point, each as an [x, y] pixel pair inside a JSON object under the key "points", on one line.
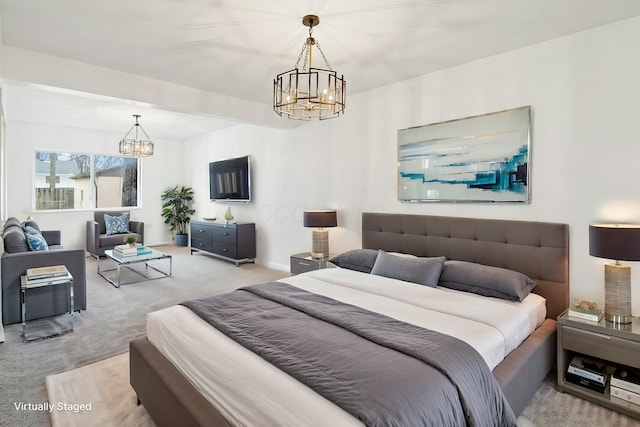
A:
{"points": [[224, 249], [601, 346], [203, 245], [199, 231], [224, 235]]}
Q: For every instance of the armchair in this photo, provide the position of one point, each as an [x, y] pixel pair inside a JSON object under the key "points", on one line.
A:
{"points": [[17, 258], [99, 241]]}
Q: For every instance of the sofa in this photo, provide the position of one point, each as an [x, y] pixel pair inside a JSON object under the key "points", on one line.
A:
{"points": [[18, 257], [98, 240]]}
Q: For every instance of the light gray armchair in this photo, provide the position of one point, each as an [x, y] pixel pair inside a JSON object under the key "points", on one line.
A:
{"points": [[99, 241]]}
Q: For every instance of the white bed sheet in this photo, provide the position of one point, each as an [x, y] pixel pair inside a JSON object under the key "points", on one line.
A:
{"points": [[250, 391]]}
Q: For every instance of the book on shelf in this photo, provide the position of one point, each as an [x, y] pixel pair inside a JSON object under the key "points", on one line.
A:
{"points": [[47, 272], [623, 394], [626, 378], [585, 382], [590, 369]]}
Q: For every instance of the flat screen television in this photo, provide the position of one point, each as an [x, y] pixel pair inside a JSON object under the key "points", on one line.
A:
{"points": [[230, 180]]}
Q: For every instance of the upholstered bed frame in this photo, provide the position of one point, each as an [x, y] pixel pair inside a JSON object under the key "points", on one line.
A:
{"points": [[538, 249]]}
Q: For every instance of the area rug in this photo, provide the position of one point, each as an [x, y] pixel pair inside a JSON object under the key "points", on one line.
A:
{"points": [[95, 395]]}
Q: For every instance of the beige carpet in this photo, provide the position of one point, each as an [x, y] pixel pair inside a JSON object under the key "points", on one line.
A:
{"points": [[105, 387]]}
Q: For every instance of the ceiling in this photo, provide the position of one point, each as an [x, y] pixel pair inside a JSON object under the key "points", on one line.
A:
{"points": [[236, 47]]}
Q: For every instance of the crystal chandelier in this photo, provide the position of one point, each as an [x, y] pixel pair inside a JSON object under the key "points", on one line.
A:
{"points": [[136, 147], [308, 93]]}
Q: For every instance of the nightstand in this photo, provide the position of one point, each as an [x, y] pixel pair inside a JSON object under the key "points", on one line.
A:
{"points": [[303, 262], [615, 344]]}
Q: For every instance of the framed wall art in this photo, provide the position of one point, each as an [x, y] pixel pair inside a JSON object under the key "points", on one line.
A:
{"points": [[475, 159]]}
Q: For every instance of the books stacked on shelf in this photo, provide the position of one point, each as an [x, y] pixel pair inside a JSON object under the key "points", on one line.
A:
{"points": [[50, 272], [625, 384], [588, 373], [586, 310], [126, 250]]}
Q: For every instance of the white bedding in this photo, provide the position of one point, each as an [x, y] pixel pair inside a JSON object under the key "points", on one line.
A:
{"points": [[249, 391]]}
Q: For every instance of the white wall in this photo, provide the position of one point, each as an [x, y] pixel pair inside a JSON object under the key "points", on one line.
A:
{"points": [[158, 173], [583, 90]]}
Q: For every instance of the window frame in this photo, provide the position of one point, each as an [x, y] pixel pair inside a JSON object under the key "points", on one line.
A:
{"points": [[92, 181]]}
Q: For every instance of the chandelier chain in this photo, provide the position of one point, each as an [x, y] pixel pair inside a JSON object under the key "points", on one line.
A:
{"points": [[323, 57]]}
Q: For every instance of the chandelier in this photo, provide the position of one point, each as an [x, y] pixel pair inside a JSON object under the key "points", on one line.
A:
{"points": [[308, 93], [136, 147]]}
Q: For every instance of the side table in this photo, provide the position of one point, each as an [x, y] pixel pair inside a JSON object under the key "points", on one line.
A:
{"points": [[617, 345], [303, 262], [37, 329]]}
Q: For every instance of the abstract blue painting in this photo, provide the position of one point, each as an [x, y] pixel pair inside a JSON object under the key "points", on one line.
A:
{"points": [[476, 159]]}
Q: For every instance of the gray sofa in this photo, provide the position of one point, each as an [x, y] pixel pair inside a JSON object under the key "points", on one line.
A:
{"points": [[17, 258], [97, 239]]}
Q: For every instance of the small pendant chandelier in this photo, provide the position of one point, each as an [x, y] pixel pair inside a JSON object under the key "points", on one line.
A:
{"points": [[136, 147], [309, 93]]}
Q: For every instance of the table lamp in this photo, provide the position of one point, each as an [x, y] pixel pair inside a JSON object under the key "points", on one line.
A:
{"points": [[320, 219], [619, 242]]}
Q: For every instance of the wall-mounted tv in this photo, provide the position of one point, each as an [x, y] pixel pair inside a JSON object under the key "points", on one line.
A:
{"points": [[230, 180]]}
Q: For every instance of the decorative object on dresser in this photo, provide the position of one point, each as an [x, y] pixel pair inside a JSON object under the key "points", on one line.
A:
{"points": [[310, 92], [320, 219], [619, 242], [303, 262], [234, 242], [228, 217], [613, 344], [177, 211]]}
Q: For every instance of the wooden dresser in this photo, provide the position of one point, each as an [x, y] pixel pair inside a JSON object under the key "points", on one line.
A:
{"points": [[234, 242]]}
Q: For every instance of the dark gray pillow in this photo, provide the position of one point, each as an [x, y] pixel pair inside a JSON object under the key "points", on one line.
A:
{"points": [[486, 280], [424, 271], [15, 240], [356, 259]]}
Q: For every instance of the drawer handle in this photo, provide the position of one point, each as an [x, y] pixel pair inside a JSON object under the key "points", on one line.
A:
{"points": [[224, 250], [202, 231], [304, 263], [592, 333], [200, 244], [226, 234]]}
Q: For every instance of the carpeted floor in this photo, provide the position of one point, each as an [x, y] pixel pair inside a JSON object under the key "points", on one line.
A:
{"points": [[115, 316]]}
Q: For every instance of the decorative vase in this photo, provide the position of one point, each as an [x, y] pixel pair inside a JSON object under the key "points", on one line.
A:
{"points": [[227, 215]]}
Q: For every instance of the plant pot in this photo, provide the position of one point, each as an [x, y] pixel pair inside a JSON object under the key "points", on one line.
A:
{"points": [[182, 239]]}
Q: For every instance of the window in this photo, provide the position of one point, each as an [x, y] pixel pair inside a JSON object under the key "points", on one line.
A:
{"points": [[85, 181]]}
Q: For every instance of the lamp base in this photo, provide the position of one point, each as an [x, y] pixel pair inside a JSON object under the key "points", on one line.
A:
{"points": [[320, 244], [617, 293]]}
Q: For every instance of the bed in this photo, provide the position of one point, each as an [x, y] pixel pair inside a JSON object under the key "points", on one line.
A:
{"points": [[538, 250]]}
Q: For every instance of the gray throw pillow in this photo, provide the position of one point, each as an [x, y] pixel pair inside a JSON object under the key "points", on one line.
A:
{"points": [[356, 259], [486, 280], [424, 271]]}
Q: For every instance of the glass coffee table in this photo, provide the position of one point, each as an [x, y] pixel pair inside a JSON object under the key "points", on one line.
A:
{"points": [[131, 269]]}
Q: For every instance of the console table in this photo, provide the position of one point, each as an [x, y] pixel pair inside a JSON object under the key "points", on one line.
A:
{"points": [[235, 242]]}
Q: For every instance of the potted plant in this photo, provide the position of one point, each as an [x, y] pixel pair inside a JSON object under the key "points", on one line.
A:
{"points": [[130, 240], [177, 211]]}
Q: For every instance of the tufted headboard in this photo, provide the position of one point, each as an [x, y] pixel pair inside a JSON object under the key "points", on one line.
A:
{"points": [[538, 249]]}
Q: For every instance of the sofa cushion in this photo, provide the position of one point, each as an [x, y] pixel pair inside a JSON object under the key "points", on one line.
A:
{"points": [[109, 241], [14, 239], [37, 242], [32, 224], [12, 222], [116, 224]]}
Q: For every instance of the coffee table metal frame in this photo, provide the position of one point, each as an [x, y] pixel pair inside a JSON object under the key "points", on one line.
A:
{"points": [[129, 261]]}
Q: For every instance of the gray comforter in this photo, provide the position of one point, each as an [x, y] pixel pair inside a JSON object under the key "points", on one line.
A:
{"points": [[383, 371]]}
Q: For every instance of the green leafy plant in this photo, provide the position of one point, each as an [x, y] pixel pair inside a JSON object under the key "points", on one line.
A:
{"points": [[130, 239], [176, 208]]}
